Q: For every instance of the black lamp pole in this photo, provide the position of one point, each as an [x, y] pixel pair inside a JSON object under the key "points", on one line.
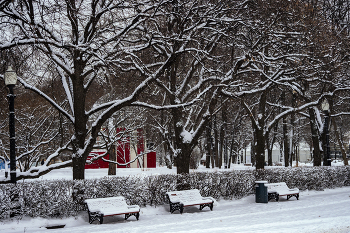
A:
{"points": [[10, 81], [11, 98]]}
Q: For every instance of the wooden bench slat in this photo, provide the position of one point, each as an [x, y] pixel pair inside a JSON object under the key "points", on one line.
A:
{"points": [[109, 206], [281, 189], [180, 199]]}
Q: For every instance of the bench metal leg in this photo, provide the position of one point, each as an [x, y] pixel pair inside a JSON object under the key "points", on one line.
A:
{"points": [[137, 215], [294, 195], [176, 206], [210, 205], [95, 216], [273, 196]]}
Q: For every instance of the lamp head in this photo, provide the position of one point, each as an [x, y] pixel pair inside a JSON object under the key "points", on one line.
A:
{"points": [[10, 77]]}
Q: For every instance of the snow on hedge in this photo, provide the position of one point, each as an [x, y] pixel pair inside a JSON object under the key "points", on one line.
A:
{"points": [[63, 198]]}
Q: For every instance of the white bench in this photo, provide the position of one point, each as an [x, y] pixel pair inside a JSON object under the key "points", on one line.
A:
{"points": [[180, 199], [275, 190], [109, 206]]}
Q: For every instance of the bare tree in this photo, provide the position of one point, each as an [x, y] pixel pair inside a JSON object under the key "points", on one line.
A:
{"points": [[86, 42]]}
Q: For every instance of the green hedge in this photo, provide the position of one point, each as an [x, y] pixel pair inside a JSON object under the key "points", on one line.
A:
{"points": [[63, 198]]}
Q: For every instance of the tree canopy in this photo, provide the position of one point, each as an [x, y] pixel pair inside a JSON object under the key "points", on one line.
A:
{"points": [[187, 62]]}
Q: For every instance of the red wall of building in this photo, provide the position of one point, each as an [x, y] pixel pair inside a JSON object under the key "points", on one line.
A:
{"points": [[151, 160], [123, 153]]}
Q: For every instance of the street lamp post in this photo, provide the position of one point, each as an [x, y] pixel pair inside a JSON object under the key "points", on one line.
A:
{"points": [[325, 108], [10, 81]]}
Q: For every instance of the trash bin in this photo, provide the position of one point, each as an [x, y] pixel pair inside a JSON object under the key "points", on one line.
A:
{"points": [[261, 192]]}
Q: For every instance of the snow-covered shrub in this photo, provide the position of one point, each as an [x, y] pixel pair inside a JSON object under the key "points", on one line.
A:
{"points": [[40, 198], [5, 200], [219, 185], [311, 178], [63, 198]]}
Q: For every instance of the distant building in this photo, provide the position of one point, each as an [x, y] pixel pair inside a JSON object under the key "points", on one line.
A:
{"points": [[303, 154], [127, 149]]}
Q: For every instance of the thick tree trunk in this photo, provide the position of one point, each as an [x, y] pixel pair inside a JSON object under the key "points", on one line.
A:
{"points": [[112, 156], [315, 138], [80, 124], [183, 166], [183, 149], [183, 159], [260, 149], [79, 160], [79, 168], [260, 134], [260, 128]]}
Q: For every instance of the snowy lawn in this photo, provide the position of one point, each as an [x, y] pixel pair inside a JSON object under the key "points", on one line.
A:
{"points": [[315, 211]]}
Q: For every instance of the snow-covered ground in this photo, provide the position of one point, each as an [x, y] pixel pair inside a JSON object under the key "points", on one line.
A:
{"points": [[315, 211]]}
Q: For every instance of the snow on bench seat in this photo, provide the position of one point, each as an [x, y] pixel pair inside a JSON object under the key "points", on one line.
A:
{"points": [[101, 207], [180, 199], [281, 189]]}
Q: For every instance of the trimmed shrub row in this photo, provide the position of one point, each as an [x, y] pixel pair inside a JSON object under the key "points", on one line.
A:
{"points": [[63, 198]]}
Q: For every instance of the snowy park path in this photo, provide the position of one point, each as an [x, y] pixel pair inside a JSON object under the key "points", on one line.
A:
{"points": [[315, 211]]}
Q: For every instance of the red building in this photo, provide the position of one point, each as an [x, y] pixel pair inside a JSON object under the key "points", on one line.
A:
{"points": [[127, 150]]}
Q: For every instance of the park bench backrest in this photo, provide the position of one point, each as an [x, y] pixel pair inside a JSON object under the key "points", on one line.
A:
{"points": [[273, 185], [281, 188], [185, 196]]}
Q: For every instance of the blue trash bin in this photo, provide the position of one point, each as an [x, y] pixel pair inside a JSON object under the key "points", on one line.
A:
{"points": [[261, 195]]}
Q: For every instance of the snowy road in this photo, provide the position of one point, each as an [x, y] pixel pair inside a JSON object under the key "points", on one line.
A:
{"points": [[315, 211]]}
